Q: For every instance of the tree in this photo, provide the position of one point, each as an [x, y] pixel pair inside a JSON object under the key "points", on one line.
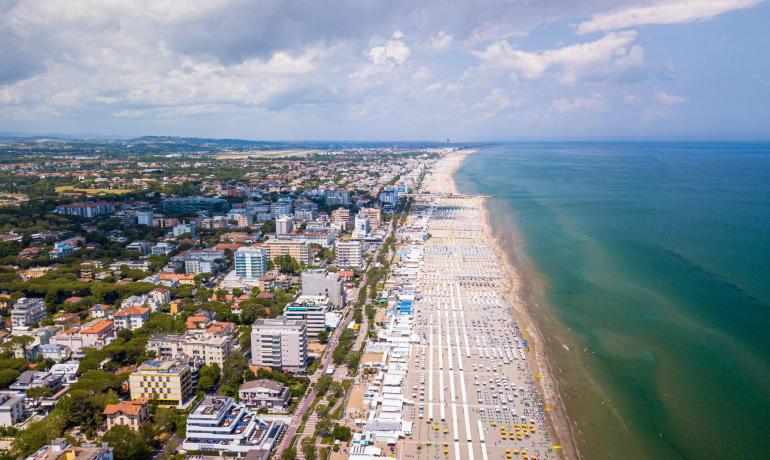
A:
{"points": [[39, 392], [7, 377], [323, 336], [127, 443], [209, 376], [19, 342]]}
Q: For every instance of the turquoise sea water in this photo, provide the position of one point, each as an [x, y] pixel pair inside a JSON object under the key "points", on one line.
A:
{"points": [[649, 265]]}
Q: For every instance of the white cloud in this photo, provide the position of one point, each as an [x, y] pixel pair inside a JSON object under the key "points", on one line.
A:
{"points": [[669, 99], [662, 12], [582, 104], [590, 59], [395, 50], [441, 41]]}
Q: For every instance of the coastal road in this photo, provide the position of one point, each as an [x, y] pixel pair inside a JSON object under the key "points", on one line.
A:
{"points": [[307, 401]]}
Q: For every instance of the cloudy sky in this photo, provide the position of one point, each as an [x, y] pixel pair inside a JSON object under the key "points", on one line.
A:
{"points": [[387, 70]]}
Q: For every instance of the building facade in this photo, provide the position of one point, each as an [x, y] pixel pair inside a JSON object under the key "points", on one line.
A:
{"points": [[168, 382], [26, 311], [265, 394], [219, 424], [251, 263], [279, 343], [297, 249], [198, 346], [349, 254], [321, 282]]}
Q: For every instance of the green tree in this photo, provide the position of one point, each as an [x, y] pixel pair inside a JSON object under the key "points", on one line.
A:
{"points": [[209, 376], [39, 392], [7, 377], [127, 443], [323, 336]]}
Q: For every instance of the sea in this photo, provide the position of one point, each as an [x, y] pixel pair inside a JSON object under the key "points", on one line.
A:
{"points": [[647, 270]]}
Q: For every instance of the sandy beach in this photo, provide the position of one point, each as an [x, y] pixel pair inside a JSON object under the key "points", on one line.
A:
{"points": [[441, 180]]}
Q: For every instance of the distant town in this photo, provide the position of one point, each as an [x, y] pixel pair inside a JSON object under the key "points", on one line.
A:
{"points": [[171, 297]]}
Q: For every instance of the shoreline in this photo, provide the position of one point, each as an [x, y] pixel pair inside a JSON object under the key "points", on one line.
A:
{"points": [[559, 423]]}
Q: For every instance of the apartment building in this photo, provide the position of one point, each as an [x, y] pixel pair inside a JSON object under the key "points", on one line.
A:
{"points": [[322, 283], [131, 317], [349, 254], [95, 334], [279, 343], [198, 346], [86, 210], [219, 424], [251, 263], [284, 225], [168, 382], [11, 408], [375, 217], [26, 311], [312, 311], [297, 249], [265, 394]]}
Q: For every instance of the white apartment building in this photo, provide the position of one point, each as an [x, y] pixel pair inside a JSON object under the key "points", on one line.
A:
{"points": [[27, 311], [349, 254], [279, 343], [321, 282], [11, 408], [131, 317], [251, 263], [284, 225], [361, 226], [219, 424], [311, 310]]}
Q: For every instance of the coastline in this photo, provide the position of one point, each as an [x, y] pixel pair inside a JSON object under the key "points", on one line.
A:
{"points": [[559, 424]]}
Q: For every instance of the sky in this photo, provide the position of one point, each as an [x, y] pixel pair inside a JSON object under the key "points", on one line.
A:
{"points": [[479, 70]]}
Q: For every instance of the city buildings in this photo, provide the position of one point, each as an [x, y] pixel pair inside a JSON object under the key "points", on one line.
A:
{"points": [[197, 261], [388, 196], [375, 217], [361, 226], [279, 343], [60, 449], [221, 425], [341, 218], [198, 346], [126, 413], [284, 225], [322, 283], [144, 218], [265, 394], [37, 379], [251, 263], [86, 210], [194, 204], [11, 408], [297, 249], [95, 334], [131, 317], [349, 254], [142, 247], [26, 311], [168, 382], [312, 311], [337, 197]]}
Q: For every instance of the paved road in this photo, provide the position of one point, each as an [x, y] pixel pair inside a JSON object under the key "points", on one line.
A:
{"points": [[307, 401]]}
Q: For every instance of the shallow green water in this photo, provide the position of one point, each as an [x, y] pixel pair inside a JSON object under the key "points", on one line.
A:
{"points": [[650, 264]]}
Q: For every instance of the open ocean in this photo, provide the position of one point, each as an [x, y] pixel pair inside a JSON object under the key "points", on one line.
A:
{"points": [[649, 268]]}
